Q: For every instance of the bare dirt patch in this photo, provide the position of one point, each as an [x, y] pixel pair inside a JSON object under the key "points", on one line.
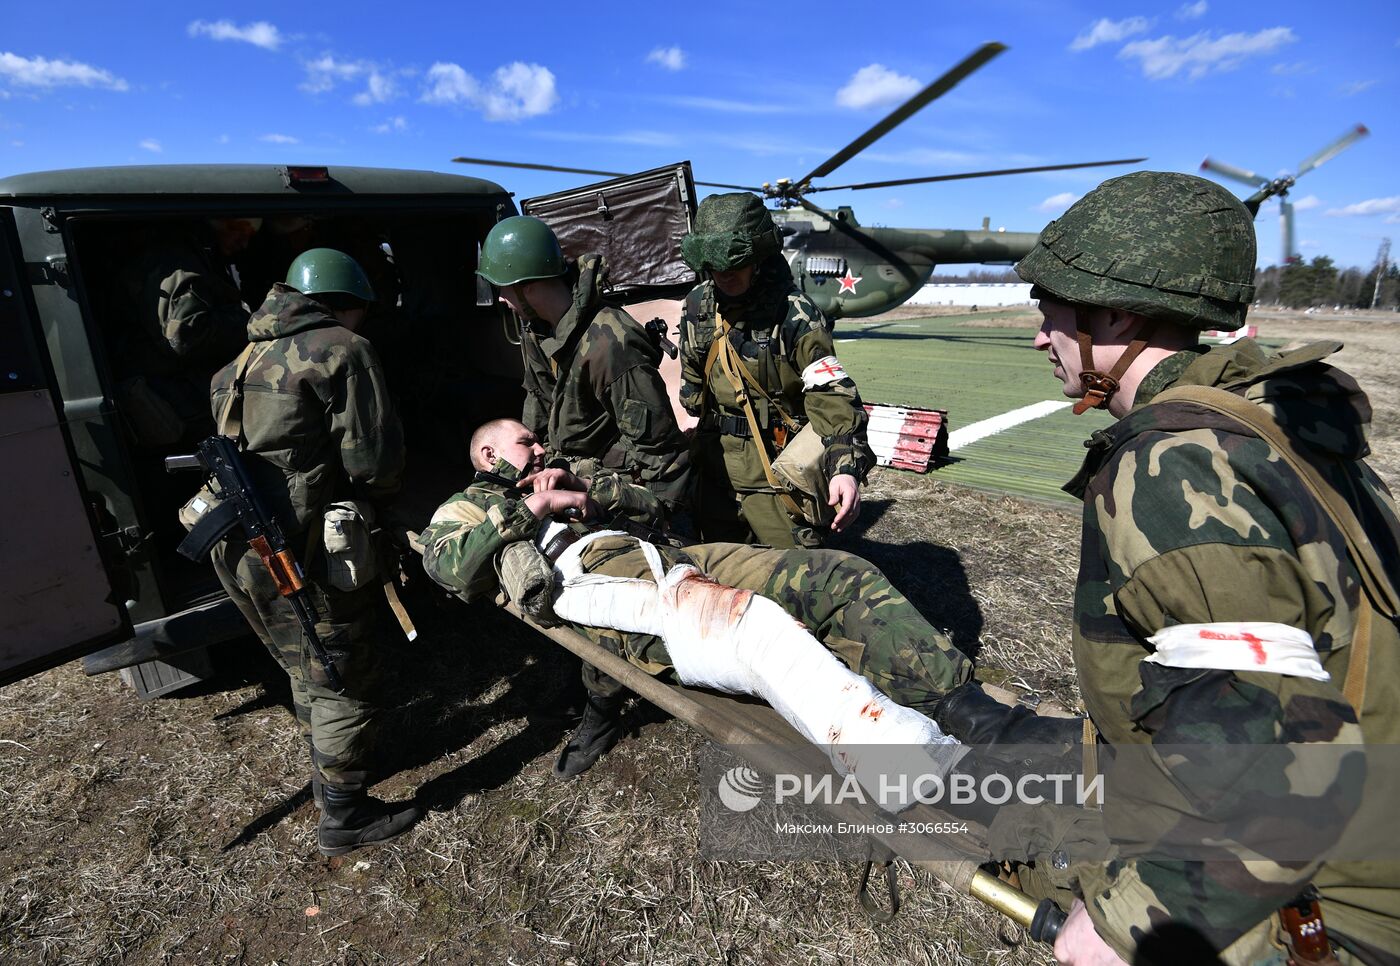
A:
{"points": [[181, 830]]}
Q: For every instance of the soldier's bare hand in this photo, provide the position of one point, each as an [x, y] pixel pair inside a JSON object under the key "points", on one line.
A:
{"points": [[554, 479], [843, 492], [1079, 943]]}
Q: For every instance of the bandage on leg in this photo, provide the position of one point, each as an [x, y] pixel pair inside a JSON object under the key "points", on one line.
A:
{"points": [[737, 641]]}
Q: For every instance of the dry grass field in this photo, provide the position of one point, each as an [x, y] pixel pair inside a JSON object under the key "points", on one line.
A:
{"points": [[181, 830]]}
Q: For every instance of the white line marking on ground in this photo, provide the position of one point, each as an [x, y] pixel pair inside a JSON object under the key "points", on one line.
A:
{"points": [[959, 438]]}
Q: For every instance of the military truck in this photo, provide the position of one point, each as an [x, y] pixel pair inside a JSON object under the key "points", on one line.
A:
{"points": [[88, 537]]}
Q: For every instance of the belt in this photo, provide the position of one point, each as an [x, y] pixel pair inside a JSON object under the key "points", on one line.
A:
{"points": [[560, 542], [728, 425]]}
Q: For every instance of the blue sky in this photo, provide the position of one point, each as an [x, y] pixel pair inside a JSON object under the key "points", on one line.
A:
{"points": [[747, 92]]}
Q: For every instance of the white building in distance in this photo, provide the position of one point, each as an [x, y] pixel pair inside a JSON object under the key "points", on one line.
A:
{"points": [[981, 295]]}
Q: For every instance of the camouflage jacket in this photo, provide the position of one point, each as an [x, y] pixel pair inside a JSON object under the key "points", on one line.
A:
{"points": [[782, 336], [466, 533], [189, 314], [594, 395], [1191, 519], [316, 410]]}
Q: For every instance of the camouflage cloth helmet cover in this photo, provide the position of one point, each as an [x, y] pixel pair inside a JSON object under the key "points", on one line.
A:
{"points": [[519, 249], [1167, 246], [325, 271], [731, 231]]}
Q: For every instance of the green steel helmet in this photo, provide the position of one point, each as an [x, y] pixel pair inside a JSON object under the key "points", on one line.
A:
{"points": [[731, 231], [325, 271], [1167, 246], [519, 249]]}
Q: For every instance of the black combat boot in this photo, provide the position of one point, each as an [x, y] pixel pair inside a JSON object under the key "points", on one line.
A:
{"points": [[600, 729], [351, 818]]}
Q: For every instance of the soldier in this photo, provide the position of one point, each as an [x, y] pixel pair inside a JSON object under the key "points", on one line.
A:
{"points": [[188, 319], [1196, 520], [594, 396], [308, 403], [793, 378], [860, 617], [595, 399]]}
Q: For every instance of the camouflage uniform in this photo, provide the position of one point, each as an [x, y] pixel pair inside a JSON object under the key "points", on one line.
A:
{"points": [[1190, 518], [779, 332], [594, 396], [844, 601], [188, 319], [319, 426]]}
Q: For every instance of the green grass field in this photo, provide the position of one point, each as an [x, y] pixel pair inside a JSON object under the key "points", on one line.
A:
{"points": [[975, 374]]}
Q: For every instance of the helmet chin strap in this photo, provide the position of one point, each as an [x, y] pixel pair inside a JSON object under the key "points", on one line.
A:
{"points": [[1098, 387]]}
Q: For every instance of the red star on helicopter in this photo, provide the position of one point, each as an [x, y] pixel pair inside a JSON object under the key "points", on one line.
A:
{"points": [[848, 284]]}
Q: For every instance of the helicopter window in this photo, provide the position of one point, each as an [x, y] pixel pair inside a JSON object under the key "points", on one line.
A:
{"points": [[823, 266]]}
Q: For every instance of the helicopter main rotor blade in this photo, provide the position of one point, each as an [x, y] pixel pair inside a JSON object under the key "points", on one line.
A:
{"points": [[973, 174], [605, 174], [1333, 149], [906, 110], [1230, 171]]}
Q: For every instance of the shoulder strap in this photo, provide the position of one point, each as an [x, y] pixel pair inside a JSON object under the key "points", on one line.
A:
{"points": [[230, 421], [1379, 592], [739, 376]]}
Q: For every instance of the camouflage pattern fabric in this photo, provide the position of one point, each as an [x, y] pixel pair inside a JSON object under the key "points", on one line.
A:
{"points": [[185, 319], [843, 600], [319, 426], [317, 416], [339, 728], [730, 231], [1188, 518], [594, 396], [779, 332], [1167, 246]]}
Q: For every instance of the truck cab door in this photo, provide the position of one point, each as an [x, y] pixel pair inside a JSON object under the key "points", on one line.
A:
{"points": [[635, 222], [56, 597]]}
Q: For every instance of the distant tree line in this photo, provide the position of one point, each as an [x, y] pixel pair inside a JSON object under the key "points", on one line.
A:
{"points": [[978, 276], [1321, 283]]}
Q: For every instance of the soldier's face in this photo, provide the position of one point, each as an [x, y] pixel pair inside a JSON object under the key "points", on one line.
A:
{"points": [[1058, 338], [514, 296], [518, 447], [735, 282], [233, 235]]}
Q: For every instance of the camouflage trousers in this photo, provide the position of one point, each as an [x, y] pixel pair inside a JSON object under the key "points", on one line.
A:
{"points": [[338, 728], [844, 601], [749, 513]]}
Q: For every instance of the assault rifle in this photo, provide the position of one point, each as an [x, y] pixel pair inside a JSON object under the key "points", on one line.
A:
{"points": [[240, 505]]}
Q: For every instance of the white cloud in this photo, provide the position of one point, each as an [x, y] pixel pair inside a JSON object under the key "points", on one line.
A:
{"points": [[651, 139], [259, 33], [150, 144], [671, 58], [1192, 11], [1307, 204], [1058, 202], [1356, 87], [1287, 70], [279, 139], [397, 123], [1371, 206], [1389, 219], [1201, 53], [40, 72], [516, 91], [1105, 31], [875, 85], [728, 106], [222, 139], [894, 203], [325, 73]]}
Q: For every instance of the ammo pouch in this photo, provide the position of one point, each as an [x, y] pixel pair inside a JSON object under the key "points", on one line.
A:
{"points": [[800, 470], [348, 540], [199, 506]]}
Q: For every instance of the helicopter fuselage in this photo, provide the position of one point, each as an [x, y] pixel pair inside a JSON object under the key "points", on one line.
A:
{"points": [[852, 272]]}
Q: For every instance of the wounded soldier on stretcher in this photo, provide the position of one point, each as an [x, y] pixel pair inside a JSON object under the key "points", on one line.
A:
{"points": [[731, 617]]}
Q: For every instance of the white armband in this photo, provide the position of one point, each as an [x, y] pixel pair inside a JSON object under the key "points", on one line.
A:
{"points": [[824, 370], [1239, 646]]}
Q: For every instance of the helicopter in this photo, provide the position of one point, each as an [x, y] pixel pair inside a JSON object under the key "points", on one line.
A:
{"points": [[853, 271]]}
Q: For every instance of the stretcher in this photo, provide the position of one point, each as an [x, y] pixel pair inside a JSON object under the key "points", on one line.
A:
{"points": [[756, 733]]}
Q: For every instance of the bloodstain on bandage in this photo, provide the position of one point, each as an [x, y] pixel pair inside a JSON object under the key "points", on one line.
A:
{"points": [[714, 607], [872, 710], [1256, 645]]}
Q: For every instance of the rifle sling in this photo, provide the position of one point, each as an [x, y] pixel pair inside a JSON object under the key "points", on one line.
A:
{"points": [[1378, 592]]}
